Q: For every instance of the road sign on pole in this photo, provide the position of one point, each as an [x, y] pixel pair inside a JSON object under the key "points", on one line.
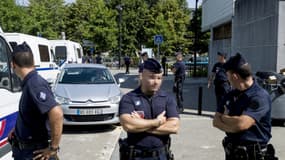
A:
{"points": [[158, 39]]}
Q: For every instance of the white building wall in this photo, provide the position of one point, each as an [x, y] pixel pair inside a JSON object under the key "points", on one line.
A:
{"points": [[281, 37], [216, 12]]}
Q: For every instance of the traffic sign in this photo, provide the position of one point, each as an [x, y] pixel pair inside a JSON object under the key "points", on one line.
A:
{"points": [[158, 39]]}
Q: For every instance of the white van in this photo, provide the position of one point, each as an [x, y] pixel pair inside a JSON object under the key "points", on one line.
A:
{"points": [[43, 57], [67, 51], [10, 92]]}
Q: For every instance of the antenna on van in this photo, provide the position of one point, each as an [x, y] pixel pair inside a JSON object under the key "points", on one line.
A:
{"points": [[1, 31]]}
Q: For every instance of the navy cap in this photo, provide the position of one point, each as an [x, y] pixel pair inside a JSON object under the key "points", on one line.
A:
{"points": [[143, 53], [178, 53], [235, 62], [24, 47], [152, 65], [222, 54]]}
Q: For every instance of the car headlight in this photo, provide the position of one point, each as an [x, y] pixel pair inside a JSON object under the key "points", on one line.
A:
{"points": [[62, 100], [115, 99]]}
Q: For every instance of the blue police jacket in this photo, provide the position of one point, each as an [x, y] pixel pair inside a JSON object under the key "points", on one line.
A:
{"points": [[221, 75], [254, 102], [180, 69], [36, 101], [151, 108]]}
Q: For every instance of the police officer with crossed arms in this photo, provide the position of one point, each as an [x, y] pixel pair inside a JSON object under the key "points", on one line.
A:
{"points": [[244, 114], [149, 116]]}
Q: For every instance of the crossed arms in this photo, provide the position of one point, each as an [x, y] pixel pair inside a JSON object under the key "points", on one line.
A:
{"points": [[232, 124], [159, 126]]}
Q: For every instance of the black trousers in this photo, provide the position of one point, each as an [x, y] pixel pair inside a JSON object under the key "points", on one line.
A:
{"points": [[127, 68], [178, 90], [221, 89]]}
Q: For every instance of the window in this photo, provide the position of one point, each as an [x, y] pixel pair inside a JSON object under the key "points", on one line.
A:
{"points": [[79, 53], [7, 80], [60, 52], [44, 53]]}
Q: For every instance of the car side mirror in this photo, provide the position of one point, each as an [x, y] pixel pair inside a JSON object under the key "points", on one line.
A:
{"points": [[121, 80]]}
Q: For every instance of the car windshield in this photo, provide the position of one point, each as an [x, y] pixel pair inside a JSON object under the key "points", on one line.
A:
{"points": [[85, 76]]}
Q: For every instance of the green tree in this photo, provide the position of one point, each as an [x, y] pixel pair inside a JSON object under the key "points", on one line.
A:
{"points": [[46, 17], [11, 16], [92, 20]]}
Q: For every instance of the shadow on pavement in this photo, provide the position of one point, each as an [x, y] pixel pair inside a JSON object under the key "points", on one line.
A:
{"points": [[84, 129]]}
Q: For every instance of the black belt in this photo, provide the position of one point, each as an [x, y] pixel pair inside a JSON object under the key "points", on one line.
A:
{"points": [[146, 153], [28, 145]]}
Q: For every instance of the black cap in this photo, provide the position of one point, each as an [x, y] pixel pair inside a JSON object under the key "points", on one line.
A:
{"points": [[235, 62], [222, 54], [24, 47], [152, 65]]}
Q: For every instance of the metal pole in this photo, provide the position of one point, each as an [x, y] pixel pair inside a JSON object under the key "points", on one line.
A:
{"points": [[200, 95], [196, 39], [120, 35]]}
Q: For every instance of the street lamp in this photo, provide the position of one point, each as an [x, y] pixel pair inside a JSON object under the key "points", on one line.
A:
{"points": [[120, 9], [196, 38]]}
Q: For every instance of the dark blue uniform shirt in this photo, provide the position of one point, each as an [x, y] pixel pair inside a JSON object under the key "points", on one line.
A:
{"points": [[254, 102], [36, 101], [127, 60], [151, 108], [221, 75], [180, 69]]}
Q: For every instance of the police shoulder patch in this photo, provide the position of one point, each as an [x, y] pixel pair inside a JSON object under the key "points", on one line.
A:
{"points": [[42, 96]]}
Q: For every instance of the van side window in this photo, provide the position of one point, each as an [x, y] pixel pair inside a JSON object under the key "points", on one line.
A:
{"points": [[60, 52], [13, 44], [4, 66], [44, 53], [78, 53]]}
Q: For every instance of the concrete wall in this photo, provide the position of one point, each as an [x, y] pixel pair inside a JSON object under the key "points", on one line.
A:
{"points": [[281, 37], [216, 12], [255, 32]]}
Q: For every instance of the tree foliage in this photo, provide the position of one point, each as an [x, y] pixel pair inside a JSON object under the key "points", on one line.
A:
{"points": [[98, 21]]}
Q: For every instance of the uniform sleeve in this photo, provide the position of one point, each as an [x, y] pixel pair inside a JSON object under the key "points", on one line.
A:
{"points": [[214, 68], [126, 106], [258, 107], [43, 98], [171, 108]]}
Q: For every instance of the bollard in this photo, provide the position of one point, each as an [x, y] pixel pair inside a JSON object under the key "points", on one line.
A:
{"points": [[200, 95]]}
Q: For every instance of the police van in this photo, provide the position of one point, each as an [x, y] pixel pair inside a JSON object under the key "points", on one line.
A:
{"points": [[67, 51], [10, 92], [41, 48]]}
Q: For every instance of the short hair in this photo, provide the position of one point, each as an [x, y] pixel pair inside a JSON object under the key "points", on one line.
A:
{"points": [[22, 55], [243, 71]]}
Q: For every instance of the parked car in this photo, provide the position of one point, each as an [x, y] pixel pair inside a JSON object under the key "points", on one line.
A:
{"points": [[274, 83], [88, 94]]}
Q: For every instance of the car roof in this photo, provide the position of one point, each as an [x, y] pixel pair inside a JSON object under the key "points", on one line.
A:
{"points": [[84, 65]]}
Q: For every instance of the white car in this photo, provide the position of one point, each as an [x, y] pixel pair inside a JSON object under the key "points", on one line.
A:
{"points": [[88, 94]]}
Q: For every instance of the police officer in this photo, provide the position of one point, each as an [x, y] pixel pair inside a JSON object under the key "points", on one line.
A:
{"points": [[127, 61], [149, 116], [178, 69], [244, 114], [222, 85], [144, 57], [38, 128], [164, 65]]}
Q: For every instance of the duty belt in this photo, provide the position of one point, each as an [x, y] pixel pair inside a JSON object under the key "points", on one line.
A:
{"points": [[145, 153], [27, 145]]}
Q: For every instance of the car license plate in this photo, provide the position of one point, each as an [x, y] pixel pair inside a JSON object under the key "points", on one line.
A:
{"points": [[89, 111]]}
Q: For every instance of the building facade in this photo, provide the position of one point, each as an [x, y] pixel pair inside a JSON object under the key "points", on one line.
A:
{"points": [[254, 28]]}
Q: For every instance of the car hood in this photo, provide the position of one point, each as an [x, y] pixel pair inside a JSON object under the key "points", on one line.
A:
{"points": [[83, 93]]}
